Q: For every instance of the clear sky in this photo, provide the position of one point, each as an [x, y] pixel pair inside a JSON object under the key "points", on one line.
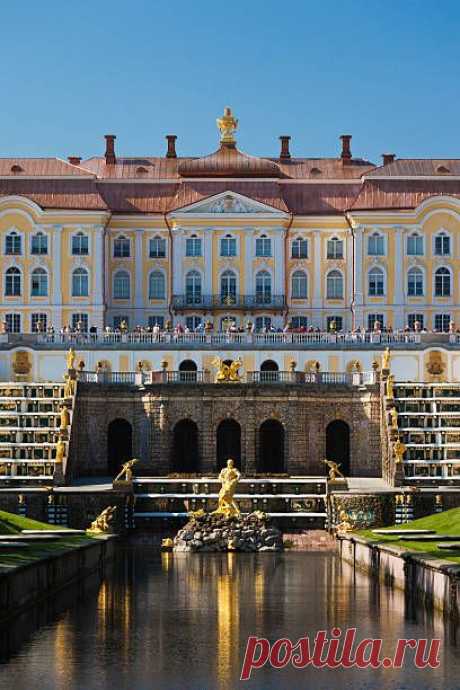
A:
{"points": [[386, 71]]}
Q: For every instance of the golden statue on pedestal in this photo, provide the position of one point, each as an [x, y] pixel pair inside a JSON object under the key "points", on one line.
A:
{"points": [[394, 418], [69, 386], [229, 476], [126, 471], [399, 448], [65, 418], [334, 472], [389, 387], [227, 125], [70, 359], [60, 450], [344, 524], [227, 373], [103, 523], [386, 357]]}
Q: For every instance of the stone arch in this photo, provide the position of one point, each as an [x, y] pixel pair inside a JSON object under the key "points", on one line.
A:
{"points": [[187, 370], [119, 444], [338, 444], [185, 449], [228, 442], [271, 455], [269, 370]]}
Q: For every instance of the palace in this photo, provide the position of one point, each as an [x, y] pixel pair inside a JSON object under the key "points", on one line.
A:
{"points": [[229, 236]]}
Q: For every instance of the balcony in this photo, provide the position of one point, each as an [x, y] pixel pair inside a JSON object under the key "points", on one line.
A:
{"points": [[230, 302]]}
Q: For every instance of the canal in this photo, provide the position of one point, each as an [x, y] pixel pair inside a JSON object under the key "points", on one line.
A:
{"points": [[181, 622]]}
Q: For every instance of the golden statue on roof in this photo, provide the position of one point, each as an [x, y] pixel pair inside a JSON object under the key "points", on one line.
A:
{"points": [[227, 125]]}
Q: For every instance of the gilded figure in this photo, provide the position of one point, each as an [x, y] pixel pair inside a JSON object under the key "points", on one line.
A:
{"points": [[229, 476]]}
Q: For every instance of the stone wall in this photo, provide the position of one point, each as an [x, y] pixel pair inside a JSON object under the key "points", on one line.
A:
{"points": [[153, 412]]}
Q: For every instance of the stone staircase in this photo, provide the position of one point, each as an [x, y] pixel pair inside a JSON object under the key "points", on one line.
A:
{"points": [[30, 432], [294, 501], [428, 424]]}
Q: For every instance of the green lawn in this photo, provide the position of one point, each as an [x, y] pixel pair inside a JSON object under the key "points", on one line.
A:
{"points": [[447, 522], [13, 524]]}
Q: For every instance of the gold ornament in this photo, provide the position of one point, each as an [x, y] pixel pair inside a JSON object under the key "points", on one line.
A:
{"points": [[227, 126], [229, 476]]}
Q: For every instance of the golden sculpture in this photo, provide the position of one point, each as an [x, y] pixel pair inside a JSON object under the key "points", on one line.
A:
{"points": [[386, 357], [126, 471], [229, 476], [103, 523], [334, 472], [65, 417], [227, 126], [70, 359], [394, 418], [60, 450], [399, 448], [167, 543], [227, 373], [344, 524], [197, 513], [69, 386], [389, 386]]}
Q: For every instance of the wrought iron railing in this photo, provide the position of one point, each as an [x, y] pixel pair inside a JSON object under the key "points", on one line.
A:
{"points": [[229, 301]]}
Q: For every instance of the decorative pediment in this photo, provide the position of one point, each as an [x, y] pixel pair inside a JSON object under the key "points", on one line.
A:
{"points": [[230, 203]]}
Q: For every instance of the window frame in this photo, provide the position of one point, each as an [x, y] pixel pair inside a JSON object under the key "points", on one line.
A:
{"points": [[334, 274], [43, 273], [82, 273]]}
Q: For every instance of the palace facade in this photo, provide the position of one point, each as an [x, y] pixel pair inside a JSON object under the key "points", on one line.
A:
{"points": [[273, 241]]}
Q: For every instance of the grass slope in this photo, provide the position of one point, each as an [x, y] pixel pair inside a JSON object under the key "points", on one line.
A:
{"points": [[447, 522], [12, 524]]}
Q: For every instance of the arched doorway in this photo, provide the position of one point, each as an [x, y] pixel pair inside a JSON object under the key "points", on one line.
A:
{"points": [[185, 453], [338, 444], [187, 371], [228, 443], [271, 447], [269, 371], [119, 445]]}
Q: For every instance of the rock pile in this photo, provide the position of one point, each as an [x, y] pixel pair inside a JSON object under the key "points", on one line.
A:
{"points": [[208, 532]]}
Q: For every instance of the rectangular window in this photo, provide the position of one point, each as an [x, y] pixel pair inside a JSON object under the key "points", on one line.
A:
{"points": [[299, 249], [376, 245], [415, 245], [157, 248], [39, 244], [193, 322], [372, 319], [334, 323], [118, 320], [299, 322], [263, 322], [228, 246], [411, 320], [121, 248], [38, 323], [13, 323], [334, 248], [263, 246], [157, 321], [13, 244], [441, 322], [80, 322], [442, 245], [80, 244], [193, 246]]}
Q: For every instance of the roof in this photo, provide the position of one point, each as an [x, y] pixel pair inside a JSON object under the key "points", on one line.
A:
{"points": [[40, 167], [401, 194], [427, 167]]}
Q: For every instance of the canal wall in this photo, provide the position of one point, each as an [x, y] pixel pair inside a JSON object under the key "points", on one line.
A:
{"points": [[25, 585], [434, 582]]}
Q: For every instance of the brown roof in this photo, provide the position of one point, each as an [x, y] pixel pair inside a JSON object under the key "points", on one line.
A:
{"points": [[228, 161], [402, 167], [138, 198], [40, 167], [401, 194], [189, 192], [57, 194], [316, 199]]}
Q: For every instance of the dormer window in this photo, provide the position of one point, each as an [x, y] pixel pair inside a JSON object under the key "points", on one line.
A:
{"points": [[263, 246], [121, 248]]}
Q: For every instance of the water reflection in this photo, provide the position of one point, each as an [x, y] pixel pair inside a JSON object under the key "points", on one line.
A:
{"points": [[181, 622]]}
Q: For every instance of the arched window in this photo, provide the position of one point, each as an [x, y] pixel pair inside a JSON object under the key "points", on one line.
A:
{"points": [[39, 283], [121, 247], [193, 287], [13, 243], [299, 248], [415, 245], [263, 287], [376, 244], [334, 285], [376, 282], [334, 248], [13, 282], [39, 244], [442, 244], [442, 282], [80, 283], [80, 244], [157, 285], [299, 285], [228, 287], [415, 286], [121, 285]]}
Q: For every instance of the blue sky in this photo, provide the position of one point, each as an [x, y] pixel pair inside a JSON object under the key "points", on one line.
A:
{"points": [[385, 71]]}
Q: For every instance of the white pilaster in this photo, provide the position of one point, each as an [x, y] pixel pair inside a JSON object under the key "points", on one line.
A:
{"points": [[399, 278], [98, 277], [56, 254], [278, 263], [208, 261], [139, 277], [249, 287], [358, 277], [318, 282], [178, 265]]}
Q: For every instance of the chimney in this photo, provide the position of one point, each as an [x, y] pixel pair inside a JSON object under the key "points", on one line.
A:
{"points": [[388, 158], [110, 157], [74, 160], [285, 154], [346, 150], [171, 152]]}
